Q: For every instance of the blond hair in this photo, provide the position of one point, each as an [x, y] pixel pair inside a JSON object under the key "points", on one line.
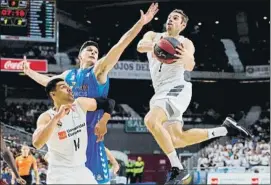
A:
{"points": [[179, 11]]}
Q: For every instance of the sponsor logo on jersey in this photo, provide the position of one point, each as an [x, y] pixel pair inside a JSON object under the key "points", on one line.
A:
{"points": [[70, 132], [62, 135], [80, 91]]}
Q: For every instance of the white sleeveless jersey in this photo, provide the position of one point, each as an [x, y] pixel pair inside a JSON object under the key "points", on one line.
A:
{"points": [[68, 144], [165, 74]]}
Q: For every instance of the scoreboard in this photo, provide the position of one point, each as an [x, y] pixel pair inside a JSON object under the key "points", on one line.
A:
{"points": [[28, 20]]}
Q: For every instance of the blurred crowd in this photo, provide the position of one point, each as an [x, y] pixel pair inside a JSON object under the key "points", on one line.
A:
{"points": [[239, 152], [25, 115], [16, 147], [236, 153], [31, 52]]}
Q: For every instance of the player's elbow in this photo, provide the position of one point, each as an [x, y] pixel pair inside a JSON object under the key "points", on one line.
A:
{"points": [[144, 47], [37, 143], [140, 49], [191, 66]]}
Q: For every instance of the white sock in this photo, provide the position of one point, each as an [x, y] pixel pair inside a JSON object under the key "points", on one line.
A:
{"points": [[217, 132], [174, 160]]}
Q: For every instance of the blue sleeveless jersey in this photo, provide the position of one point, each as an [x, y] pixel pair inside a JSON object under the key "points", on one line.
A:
{"points": [[84, 84]]}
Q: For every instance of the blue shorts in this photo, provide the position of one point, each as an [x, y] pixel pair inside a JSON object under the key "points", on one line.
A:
{"points": [[97, 160]]}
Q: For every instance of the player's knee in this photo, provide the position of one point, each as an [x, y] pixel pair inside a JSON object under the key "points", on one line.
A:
{"points": [[179, 141], [151, 122]]}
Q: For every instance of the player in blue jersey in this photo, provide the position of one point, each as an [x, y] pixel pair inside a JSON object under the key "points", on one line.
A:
{"points": [[91, 80]]}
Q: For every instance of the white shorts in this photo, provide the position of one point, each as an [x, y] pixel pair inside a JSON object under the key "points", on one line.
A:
{"points": [[70, 175], [173, 99]]}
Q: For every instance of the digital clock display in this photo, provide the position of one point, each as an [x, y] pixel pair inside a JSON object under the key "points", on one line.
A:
{"points": [[28, 20], [12, 13]]}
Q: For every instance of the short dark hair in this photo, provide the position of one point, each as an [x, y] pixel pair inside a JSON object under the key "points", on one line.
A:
{"points": [[51, 86], [179, 11], [88, 43]]}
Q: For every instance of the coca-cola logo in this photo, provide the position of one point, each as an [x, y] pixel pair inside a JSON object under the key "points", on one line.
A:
{"points": [[214, 181], [17, 65], [14, 65], [254, 181]]}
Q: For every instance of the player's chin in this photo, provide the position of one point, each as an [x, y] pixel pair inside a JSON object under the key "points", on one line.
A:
{"points": [[168, 27]]}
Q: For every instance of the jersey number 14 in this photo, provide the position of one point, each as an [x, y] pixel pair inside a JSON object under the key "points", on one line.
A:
{"points": [[76, 144]]}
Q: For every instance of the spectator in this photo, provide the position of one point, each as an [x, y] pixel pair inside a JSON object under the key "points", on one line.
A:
{"points": [[203, 162], [265, 159], [7, 175], [235, 161], [254, 159]]}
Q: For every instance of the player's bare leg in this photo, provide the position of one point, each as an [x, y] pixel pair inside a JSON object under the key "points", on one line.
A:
{"points": [[182, 138], [154, 122]]}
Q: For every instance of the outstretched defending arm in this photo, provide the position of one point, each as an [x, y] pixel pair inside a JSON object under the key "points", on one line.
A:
{"points": [[105, 64], [40, 78]]}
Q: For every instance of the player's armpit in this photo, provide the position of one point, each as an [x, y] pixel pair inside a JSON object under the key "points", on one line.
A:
{"points": [[146, 43], [45, 128]]}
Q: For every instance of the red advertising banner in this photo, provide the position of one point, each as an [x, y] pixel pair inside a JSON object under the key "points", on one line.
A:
{"points": [[16, 65]]}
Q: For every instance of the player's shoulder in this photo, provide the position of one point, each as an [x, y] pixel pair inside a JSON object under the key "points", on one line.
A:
{"points": [[151, 34], [187, 41], [44, 116]]}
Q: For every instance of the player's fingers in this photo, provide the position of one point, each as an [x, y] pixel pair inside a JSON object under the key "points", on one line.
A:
{"points": [[152, 5], [96, 131], [180, 47], [99, 138], [179, 51], [155, 7], [179, 56], [141, 13], [155, 12], [24, 58], [68, 106], [151, 8]]}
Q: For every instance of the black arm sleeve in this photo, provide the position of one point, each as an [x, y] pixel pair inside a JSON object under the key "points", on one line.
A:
{"points": [[105, 104]]}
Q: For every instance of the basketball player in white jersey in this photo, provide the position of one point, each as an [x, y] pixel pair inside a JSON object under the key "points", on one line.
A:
{"points": [[172, 97], [63, 129]]}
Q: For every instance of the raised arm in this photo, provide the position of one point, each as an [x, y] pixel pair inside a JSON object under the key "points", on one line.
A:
{"points": [[40, 78], [105, 64], [146, 44], [46, 126]]}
